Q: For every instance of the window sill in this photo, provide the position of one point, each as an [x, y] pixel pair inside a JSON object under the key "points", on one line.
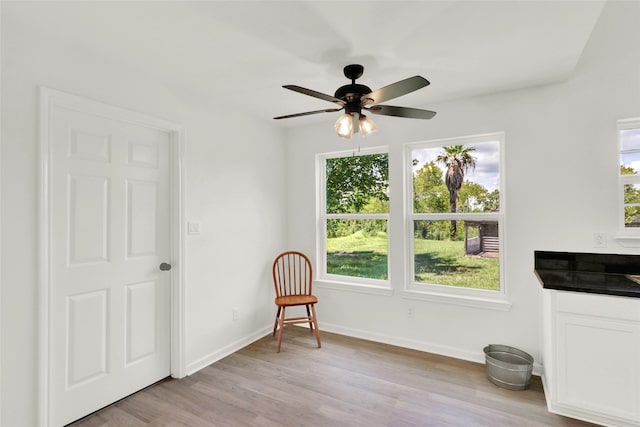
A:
{"points": [[462, 300], [354, 287], [628, 240]]}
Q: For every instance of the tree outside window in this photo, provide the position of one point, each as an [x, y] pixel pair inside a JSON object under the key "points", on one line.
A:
{"points": [[457, 160]]}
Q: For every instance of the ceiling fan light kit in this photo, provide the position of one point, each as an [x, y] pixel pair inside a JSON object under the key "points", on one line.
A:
{"points": [[344, 126], [366, 125], [354, 97], [350, 123]]}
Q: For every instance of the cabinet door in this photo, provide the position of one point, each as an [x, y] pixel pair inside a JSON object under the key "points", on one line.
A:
{"points": [[597, 364]]}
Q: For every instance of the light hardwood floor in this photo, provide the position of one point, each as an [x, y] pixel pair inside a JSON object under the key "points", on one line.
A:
{"points": [[347, 382]]}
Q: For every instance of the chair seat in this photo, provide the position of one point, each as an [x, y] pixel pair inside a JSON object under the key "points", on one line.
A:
{"points": [[296, 300]]}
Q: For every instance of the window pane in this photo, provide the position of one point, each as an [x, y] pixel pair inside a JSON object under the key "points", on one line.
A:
{"points": [[357, 248], [630, 139], [629, 163], [631, 193], [470, 259], [632, 205], [358, 184], [632, 216], [457, 178], [630, 151]]}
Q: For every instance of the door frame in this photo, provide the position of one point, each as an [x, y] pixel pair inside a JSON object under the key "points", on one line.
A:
{"points": [[49, 98]]}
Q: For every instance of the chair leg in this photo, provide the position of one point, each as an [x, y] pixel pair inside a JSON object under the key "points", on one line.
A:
{"points": [[281, 324], [310, 319], [315, 323], [275, 324]]}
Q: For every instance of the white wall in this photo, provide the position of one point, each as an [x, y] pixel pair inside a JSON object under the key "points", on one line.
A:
{"points": [[234, 186], [561, 179]]}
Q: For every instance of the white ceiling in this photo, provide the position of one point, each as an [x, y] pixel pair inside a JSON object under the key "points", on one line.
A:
{"points": [[240, 53]]}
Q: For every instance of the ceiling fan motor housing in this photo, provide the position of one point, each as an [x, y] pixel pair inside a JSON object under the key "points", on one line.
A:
{"points": [[352, 92]]}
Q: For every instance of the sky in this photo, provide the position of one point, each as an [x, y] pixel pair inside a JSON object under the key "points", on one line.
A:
{"points": [[487, 155]]}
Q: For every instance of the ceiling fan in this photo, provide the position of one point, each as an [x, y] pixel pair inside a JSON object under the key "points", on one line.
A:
{"points": [[354, 98]]}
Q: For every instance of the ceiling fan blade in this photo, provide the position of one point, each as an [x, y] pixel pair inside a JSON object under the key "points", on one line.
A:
{"points": [[314, 93], [395, 90], [410, 113], [308, 113]]}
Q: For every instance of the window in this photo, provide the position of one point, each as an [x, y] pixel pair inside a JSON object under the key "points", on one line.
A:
{"points": [[455, 216], [354, 217], [629, 175]]}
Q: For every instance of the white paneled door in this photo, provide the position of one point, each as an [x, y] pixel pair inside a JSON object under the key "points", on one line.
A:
{"points": [[109, 301]]}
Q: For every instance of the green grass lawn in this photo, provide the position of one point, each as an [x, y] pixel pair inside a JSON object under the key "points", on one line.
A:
{"points": [[436, 261], [444, 263], [358, 255]]}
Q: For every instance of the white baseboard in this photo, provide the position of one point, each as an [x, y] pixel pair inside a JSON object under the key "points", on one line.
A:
{"points": [[404, 342], [457, 353], [210, 358]]}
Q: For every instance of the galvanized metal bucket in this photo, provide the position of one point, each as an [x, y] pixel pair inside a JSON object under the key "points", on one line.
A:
{"points": [[508, 367]]}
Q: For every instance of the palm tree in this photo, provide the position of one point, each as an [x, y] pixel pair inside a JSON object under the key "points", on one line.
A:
{"points": [[458, 160]]}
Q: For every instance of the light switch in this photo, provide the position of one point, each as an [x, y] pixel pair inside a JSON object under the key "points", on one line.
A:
{"points": [[193, 227]]}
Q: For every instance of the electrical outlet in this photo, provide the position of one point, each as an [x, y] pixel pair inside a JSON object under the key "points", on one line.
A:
{"points": [[599, 240], [411, 313], [193, 227], [235, 313]]}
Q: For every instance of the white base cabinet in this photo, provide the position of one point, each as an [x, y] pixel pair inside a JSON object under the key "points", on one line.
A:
{"points": [[591, 357]]}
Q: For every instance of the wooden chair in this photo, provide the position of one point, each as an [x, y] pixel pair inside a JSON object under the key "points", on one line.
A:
{"points": [[293, 278]]}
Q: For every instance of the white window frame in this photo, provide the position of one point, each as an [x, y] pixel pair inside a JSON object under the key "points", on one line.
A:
{"points": [[628, 233], [335, 281], [443, 293]]}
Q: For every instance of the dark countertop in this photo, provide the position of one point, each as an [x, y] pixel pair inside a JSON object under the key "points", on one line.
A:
{"points": [[608, 274]]}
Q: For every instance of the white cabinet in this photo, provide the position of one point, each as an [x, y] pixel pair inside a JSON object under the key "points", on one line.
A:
{"points": [[591, 356]]}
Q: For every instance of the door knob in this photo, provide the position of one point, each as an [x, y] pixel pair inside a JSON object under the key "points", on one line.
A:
{"points": [[165, 267]]}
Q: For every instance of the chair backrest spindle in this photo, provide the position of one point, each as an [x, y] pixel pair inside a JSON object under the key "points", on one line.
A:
{"points": [[292, 274]]}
